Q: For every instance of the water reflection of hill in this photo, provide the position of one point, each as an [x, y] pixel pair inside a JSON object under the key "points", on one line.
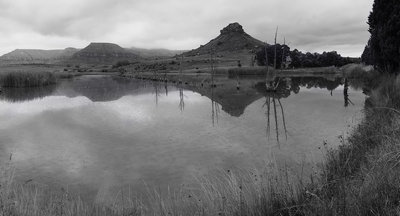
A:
{"points": [[96, 88], [232, 100], [103, 88]]}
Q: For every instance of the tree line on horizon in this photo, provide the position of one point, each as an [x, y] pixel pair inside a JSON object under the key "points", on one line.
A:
{"points": [[300, 59]]}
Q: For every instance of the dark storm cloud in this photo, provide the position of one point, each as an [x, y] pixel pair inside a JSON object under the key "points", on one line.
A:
{"points": [[309, 25]]}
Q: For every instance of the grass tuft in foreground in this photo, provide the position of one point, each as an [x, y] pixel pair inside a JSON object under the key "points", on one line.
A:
{"points": [[226, 192]]}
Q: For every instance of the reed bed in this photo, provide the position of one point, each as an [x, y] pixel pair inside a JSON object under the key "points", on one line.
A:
{"points": [[27, 79], [224, 192]]}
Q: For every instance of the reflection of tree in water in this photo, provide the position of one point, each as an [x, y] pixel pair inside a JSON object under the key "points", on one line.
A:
{"points": [[347, 100], [283, 87], [166, 89], [181, 98], [272, 102], [315, 82], [156, 92], [287, 85], [215, 109], [26, 94]]}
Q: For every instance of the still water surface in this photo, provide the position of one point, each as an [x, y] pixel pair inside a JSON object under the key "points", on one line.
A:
{"points": [[96, 133]]}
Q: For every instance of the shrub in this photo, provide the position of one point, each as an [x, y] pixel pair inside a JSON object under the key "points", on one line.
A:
{"points": [[121, 63]]}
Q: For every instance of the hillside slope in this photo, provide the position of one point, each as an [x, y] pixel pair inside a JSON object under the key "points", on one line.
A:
{"points": [[232, 39], [37, 55], [146, 53]]}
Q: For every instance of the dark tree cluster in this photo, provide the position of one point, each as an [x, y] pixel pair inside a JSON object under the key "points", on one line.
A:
{"points": [[301, 60], [121, 63], [383, 49], [280, 50]]}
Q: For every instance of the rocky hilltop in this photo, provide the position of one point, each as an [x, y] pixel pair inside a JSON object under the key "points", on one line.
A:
{"points": [[232, 39], [106, 53]]}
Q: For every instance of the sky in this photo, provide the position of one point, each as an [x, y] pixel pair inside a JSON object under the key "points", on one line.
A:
{"points": [[308, 25]]}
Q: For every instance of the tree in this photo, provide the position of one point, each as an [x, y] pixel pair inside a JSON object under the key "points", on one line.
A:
{"points": [[384, 26], [280, 50], [300, 60], [121, 63], [366, 56], [296, 56]]}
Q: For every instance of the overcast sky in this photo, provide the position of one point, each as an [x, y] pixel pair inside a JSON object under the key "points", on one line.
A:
{"points": [[308, 25]]}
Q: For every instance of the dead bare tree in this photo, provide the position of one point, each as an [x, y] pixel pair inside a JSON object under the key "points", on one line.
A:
{"points": [[180, 69], [276, 35]]}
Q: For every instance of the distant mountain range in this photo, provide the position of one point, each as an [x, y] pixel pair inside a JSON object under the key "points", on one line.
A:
{"points": [[29, 55], [232, 39], [94, 53]]}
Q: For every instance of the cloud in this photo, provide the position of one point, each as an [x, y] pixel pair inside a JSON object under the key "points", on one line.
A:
{"points": [[309, 25]]}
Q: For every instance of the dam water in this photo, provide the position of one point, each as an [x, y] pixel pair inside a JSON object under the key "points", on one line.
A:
{"points": [[101, 133]]}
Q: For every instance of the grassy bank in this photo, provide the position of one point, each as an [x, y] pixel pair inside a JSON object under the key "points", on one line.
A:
{"points": [[361, 177], [27, 79]]}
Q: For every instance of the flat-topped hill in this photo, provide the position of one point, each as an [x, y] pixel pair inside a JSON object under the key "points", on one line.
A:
{"points": [[103, 53]]}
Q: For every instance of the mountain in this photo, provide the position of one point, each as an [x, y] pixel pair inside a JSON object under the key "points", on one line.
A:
{"points": [[232, 39], [155, 52], [106, 53], [37, 55]]}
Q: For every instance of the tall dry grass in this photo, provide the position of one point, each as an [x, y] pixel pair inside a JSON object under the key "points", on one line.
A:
{"points": [[26, 79], [224, 192]]}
